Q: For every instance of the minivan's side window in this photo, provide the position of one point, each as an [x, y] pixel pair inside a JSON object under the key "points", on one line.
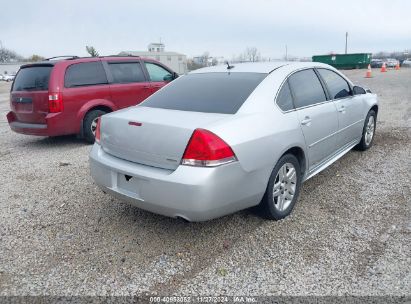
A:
{"points": [[284, 98], [85, 74], [307, 88], [337, 85], [156, 72], [126, 72]]}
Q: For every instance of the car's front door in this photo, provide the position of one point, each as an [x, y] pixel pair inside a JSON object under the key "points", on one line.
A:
{"points": [[128, 83], [349, 108], [159, 76], [318, 117]]}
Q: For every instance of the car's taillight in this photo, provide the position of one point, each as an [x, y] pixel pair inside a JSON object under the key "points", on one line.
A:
{"points": [[205, 149], [55, 103], [97, 134]]}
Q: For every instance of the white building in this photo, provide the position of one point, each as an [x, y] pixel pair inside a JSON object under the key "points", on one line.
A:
{"points": [[176, 61]]}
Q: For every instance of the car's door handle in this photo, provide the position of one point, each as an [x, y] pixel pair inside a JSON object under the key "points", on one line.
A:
{"points": [[341, 109], [306, 121]]}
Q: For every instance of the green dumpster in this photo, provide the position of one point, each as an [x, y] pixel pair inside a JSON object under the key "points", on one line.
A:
{"points": [[345, 61]]}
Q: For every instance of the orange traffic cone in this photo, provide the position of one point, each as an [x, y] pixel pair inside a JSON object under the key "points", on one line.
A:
{"points": [[397, 66], [384, 68], [368, 75]]}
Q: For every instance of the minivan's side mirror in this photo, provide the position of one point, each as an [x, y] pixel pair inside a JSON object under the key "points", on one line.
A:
{"points": [[357, 90], [170, 77]]}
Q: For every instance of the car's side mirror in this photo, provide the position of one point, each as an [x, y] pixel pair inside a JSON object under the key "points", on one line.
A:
{"points": [[170, 77], [357, 90]]}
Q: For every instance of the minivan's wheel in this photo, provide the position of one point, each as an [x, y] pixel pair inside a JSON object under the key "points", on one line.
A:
{"points": [[90, 124], [368, 131], [283, 188]]}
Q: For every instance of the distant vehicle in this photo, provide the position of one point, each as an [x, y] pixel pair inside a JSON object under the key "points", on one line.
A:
{"points": [[9, 78], [226, 138], [376, 63], [406, 63], [59, 97], [391, 62]]}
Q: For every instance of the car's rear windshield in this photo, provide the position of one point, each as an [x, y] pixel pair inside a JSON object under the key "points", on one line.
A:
{"points": [[207, 92], [33, 78]]}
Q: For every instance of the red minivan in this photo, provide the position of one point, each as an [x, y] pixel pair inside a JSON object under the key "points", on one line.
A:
{"points": [[59, 97]]}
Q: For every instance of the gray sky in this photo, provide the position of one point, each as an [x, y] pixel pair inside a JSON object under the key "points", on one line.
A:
{"points": [[224, 28]]}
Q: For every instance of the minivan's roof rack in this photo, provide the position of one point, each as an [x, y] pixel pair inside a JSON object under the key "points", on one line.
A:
{"points": [[64, 56], [125, 55]]}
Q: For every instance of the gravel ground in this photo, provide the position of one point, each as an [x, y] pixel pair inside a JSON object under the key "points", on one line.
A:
{"points": [[349, 233]]}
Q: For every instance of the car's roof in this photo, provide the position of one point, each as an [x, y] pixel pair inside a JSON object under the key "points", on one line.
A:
{"points": [[257, 67]]}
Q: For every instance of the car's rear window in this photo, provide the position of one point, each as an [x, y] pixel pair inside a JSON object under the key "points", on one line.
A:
{"points": [[208, 92], [33, 78]]}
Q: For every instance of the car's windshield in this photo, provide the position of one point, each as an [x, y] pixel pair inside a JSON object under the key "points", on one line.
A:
{"points": [[207, 92], [32, 78]]}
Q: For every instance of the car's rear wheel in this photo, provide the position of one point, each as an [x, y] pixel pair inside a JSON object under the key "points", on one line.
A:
{"points": [[368, 131], [283, 188], [90, 124]]}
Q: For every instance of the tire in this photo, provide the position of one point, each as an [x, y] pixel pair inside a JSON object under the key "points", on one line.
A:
{"points": [[270, 206], [88, 120], [368, 131]]}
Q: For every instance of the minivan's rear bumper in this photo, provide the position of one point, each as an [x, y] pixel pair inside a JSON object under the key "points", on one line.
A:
{"points": [[193, 193], [50, 128]]}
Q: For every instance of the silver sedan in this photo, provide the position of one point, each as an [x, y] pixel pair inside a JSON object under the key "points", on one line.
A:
{"points": [[226, 138]]}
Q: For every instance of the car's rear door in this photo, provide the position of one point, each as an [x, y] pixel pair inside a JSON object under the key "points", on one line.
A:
{"points": [[128, 83], [349, 107], [317, 115], [158, 75]]}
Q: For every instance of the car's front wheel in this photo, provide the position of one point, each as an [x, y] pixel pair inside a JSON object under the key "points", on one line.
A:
{"points": [[283, 188], [368, 131], [90, 124]]}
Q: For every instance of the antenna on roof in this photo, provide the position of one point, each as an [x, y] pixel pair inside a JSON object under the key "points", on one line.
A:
{"points": [[229, 67]]}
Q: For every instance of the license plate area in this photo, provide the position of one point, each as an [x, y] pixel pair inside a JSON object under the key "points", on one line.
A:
{"points": [[26, 107], [128, 185]]}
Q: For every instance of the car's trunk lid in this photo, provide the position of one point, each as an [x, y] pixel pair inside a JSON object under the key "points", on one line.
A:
{"points": [[152, 136]]}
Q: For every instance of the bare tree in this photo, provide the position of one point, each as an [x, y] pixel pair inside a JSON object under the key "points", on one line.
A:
{"points": [[7, 55], [252, 54], [92, 51]]}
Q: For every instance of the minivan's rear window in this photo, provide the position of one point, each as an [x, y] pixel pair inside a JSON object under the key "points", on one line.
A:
{"points": [[208, 92], [32, 78]]}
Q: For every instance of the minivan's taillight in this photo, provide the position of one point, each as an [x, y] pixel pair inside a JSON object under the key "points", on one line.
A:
{"points": [[97, 134], [55, 102], [205, 149]]}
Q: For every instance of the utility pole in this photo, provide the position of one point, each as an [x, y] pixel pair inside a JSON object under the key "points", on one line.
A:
{"points": [[346, 41]]}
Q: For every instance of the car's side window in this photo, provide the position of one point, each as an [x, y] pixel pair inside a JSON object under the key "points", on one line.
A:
{"points": [[337, 86], [126, 72], [156, 72], [85, 74], [307, 88], [284, 98]]}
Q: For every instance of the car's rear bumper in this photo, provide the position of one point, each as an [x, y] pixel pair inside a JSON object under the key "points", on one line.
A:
{"points": [[196, 194], [51, 127]]}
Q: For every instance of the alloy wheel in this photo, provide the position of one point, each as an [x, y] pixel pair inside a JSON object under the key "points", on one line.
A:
{"points": [[369, 130], [94, 125], [284, 187]]}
